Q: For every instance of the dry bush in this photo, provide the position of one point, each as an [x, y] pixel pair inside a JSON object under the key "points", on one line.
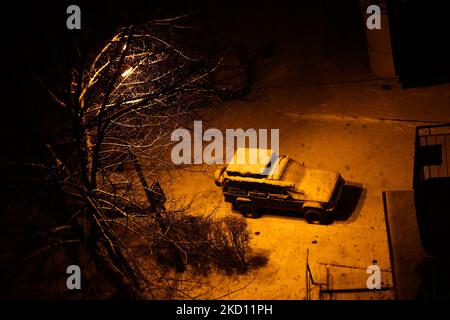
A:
{"points": [[202, 243], [230, 245]]}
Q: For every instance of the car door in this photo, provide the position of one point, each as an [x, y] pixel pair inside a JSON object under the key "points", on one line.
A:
{"points": [[257, 192], [280, 199]]}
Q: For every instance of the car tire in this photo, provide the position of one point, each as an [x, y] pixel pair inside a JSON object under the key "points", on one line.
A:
{"points": [[314, 216], [248, 210], [254, 214]]}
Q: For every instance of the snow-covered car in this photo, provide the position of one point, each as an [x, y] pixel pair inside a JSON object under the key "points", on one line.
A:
{"points": [[280, 183]]}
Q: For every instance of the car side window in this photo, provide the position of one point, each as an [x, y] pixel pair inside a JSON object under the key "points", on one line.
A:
{"points": [[257, 190], [280, 194], [235, 188]]}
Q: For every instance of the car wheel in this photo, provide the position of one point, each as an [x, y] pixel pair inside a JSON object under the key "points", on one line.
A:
{"points": [[314, 216], [254, 214], [248, 210]]}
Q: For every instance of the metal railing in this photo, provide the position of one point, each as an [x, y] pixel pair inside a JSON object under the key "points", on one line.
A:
{"points": [[432, 153]]}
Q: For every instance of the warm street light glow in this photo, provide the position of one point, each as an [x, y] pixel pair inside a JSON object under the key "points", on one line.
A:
{"points": [[127, 72]]}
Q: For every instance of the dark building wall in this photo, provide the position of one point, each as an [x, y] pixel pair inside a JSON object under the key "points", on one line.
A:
{"points": [[420, 35]]}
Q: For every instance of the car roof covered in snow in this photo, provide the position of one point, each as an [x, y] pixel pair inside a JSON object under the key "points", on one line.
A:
{"points": [[256, 163]]}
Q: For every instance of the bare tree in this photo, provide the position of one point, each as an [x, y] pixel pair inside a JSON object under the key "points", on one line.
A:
{"points": [[124, 101]]}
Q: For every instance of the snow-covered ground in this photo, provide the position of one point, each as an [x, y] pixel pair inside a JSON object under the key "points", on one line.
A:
{"points": [[370, 151], [332, 114]]}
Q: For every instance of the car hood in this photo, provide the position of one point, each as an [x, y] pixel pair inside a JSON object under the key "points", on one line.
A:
{"points": [[315, 184]]}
